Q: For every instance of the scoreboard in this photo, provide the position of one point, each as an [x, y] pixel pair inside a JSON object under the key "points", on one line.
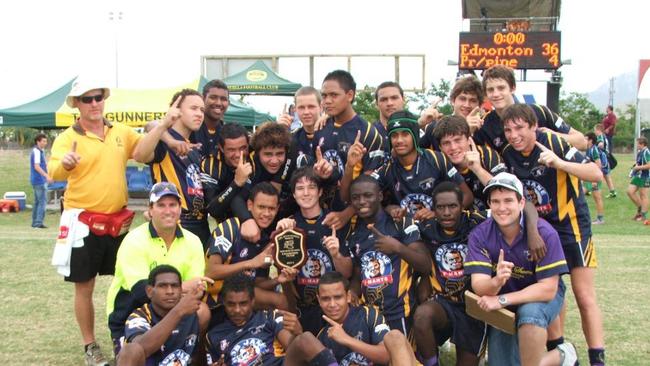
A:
{"points": [[518, 50]]}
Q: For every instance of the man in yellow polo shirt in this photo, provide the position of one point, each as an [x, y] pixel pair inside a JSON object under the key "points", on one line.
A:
{"points": [[91, 155], [161, 241]]}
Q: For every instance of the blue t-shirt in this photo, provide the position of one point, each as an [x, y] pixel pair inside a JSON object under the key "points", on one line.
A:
{"points": [[254, 343], [37, 158]]}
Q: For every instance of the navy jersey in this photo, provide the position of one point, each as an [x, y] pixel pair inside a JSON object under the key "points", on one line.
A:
{"points": [[492, 134], [252, 344], [386, 280], [412, 187], [221, 188], [642, 158], [363, 323], [335, 141], [302, 151], [449, 252], [492, 163], [179, 346], [384, 135], [185, 173], [226, 242], [209, 139], [557, 195], [428, 140], [319, 260]]}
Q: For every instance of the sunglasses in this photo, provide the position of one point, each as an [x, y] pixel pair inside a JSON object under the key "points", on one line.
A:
{"points": [[87, 100]]}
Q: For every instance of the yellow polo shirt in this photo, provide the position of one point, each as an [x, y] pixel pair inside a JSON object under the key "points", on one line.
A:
{"points": [[98, 182]]}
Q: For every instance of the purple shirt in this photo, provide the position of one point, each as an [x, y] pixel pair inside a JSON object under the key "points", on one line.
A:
{"points": [[486, 240]]}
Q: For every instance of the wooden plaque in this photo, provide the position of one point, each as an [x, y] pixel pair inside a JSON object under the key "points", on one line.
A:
{"points": [[290, 248], [502, 319]]}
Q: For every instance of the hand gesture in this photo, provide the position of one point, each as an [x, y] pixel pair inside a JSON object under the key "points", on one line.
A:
{"points": [[243, 171], [335, 332], [547, 156], [265, 258], [285, 119], [472, 157], [290, 322], [320, 122], [489, 303], [334, 220], [504, 269], [331, 243], [190, 302], [250, 231], [429, 115], [287, 275], [196, 285], [322, 168], [285, 224], [396, 212], [182, 148], [536, 246], [71, 159], [475, 120], [384, 243], [173, 114], [424, 214], [356, 152]]}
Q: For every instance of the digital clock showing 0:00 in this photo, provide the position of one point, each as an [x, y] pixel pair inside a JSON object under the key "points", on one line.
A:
{"points": [[518, 50]]}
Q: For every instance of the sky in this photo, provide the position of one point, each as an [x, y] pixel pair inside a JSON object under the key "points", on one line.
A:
{"points": [[47, 43]]}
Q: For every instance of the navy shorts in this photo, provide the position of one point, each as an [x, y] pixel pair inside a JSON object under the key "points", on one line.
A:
{"points": [[580, 254], [465, 332]]}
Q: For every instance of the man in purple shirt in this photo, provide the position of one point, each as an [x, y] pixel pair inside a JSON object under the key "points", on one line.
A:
{"points": [[504, 275]]}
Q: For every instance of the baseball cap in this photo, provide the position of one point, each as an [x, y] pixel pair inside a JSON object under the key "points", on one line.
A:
{"points": [[162, 189], [404, 121], [507, 181], [81, 86]]}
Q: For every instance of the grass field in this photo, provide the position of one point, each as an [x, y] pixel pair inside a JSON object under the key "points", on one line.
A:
{"points": [[38, 326]]}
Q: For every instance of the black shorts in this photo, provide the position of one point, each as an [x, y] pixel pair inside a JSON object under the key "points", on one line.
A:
{"points": [[465, 332], [404, 325], [580, 254], [97, 256]]}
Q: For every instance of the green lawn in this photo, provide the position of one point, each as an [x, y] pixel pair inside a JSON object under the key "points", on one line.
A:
{"points": [[38, 326]]}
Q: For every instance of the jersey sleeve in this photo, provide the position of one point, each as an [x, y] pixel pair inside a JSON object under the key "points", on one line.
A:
{"points": [[448, 171], [550, 119], [136, 324], [478, 257], [275, 321], [159, 152], [223, 238], [376, 324], [491, 160], [373, 142]]}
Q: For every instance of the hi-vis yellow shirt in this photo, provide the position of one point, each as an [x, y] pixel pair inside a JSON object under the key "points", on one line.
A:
{"points": [[98, 182]]}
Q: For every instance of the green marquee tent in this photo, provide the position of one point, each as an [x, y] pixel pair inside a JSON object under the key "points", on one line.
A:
{"points": [[260, 79], [130, 106]]}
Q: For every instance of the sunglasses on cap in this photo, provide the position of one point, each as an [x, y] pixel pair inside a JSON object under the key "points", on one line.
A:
{"points": [[89, 99]]}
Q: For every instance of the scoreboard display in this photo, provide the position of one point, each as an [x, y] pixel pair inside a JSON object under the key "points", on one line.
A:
{"points": [[518, 50]]}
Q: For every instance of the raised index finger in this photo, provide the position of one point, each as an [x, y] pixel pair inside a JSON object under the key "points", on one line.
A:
{"points": [[472, 144], [176, 102], [333, 230], [74, 146], [475, 111], [374, 230], [500, 255], [332, 322], [241, 157], [541, 146], [358, 138]]}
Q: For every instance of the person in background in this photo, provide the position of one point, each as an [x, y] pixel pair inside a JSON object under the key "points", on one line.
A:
{"points": [[38, 177]]}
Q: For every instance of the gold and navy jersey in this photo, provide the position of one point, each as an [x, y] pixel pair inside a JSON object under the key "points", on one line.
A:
{"points": [[492, 163], [318, 261], [185, 173], [252, 344], [335, 141], [492, 134], [209, 139], [428, 140], [302, 152], [557, 195], [226, 242], [449, 252], [384, 135], [386, 279], [363, 323], [179, 346], [412, 187], [221, 188]]}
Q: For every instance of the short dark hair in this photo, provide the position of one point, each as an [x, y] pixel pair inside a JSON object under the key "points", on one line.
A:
{"points": [[388, 84], [610, 107], [184, 93], [39, 137], [215, 83], [306, 172], [307, 90], [231, 131], [447, 187], [451, 126], [642, 140], [263, 187], [333, 277], [158, 270], [344, 78], [239, 282], [271, 134], [591, 137], [470, 85], [502, 189], [365, 178], [500, 72], [519, 111]]}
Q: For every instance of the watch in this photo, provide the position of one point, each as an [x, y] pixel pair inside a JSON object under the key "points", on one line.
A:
{"points": [[503, 301]]}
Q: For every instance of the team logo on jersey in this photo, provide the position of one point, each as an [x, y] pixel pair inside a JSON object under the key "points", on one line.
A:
{"points": [[498, 141], [317, 264], [248, 352], [190, 341], [303, 160], [344, 147], [243, 253], [413, 202], [377, 269], [223, 345], [355, 359], [427, 184], [536, 194], [176, 358], [138, 323], [538, 171], [193, 180], [450, 258], [332, 157]]}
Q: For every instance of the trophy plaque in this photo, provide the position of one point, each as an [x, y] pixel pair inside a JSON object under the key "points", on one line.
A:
{"points": [[290, 248]]}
